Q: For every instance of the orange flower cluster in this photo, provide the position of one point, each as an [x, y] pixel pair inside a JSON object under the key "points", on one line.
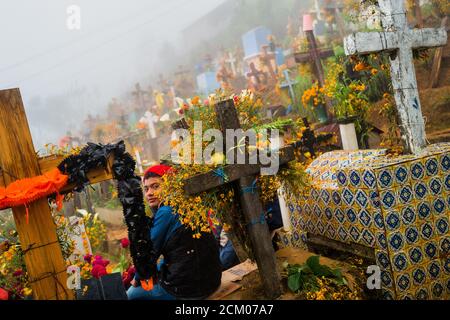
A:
{"points": [[315, 94], [357, 87], [361, 66]]}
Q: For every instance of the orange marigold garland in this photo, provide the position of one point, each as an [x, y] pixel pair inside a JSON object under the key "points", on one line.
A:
{"points": [[25, 191]]}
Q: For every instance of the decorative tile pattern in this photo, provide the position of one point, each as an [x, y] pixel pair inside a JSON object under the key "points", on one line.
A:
{"points": [[400, 207]]}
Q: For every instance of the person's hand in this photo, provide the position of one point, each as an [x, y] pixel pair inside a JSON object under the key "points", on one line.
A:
{"points": [[134, 283]]}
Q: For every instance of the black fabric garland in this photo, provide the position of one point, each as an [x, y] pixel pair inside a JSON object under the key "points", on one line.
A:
{"points": [[129, 192]]}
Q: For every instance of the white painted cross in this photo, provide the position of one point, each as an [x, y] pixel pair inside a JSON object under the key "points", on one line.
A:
{"points": [[289, 83], [231, 60], [150, 119], [399, 39]]}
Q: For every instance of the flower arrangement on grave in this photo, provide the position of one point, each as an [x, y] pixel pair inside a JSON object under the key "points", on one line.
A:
{"points": [[13, 273], [199, 211], [314, 96], [349, 98]]}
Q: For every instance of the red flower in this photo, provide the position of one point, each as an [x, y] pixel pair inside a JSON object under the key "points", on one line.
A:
{"points": [[236, 99], [88, 258], [125, 242], [4, 295], [100, 261], [18, 273], [98, 270]]}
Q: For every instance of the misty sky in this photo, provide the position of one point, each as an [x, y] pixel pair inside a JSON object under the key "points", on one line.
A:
{"points": [[65, 74]]}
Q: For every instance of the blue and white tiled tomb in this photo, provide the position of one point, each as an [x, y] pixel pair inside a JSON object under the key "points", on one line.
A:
{"points": [[399, 207]]}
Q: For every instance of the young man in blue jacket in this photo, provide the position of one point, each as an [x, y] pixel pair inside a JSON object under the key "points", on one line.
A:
{"points": [[191, 267]]}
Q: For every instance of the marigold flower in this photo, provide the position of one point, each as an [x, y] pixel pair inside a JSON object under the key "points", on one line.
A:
{"points": [[195, 100], [27, 291]]}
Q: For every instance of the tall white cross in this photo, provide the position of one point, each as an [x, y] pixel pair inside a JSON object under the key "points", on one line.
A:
{"points": [[150, 119], [231, 60], [400, 40]]}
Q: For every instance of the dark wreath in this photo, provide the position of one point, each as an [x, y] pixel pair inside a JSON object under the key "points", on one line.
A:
{"points": [[129, 192]]}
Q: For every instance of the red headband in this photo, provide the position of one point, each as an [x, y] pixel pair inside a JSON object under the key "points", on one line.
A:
{"points": [[159, 169]]}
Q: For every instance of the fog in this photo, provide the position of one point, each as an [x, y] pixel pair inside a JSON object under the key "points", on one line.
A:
{"points": [[64, 74]]}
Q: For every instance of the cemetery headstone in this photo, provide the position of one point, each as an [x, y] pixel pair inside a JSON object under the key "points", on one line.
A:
{"points": [[107, 287], [207, 83], [398, 39], [253, 40]]}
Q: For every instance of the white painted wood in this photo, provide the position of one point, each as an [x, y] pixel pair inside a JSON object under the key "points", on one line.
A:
{"points": [[78, 236], [138, 161], [151, 119], [231, 61], [401, 40], [348, 136], [285, 216]]}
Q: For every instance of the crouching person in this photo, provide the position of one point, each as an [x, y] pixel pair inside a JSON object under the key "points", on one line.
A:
{"points": [[190, 268]]}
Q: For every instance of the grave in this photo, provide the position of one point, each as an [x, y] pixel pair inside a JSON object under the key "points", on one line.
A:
{"points": [[394, 211], [391, 210]]}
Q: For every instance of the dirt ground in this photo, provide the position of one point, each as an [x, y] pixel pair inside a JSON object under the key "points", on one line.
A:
{"points": [[251, 284]]}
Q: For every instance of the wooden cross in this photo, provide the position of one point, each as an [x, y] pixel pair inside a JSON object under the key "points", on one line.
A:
{"points": [[267, 58], [255, 73], [398, 39], [243, 176], [289, 83], [43, 258], [315, 56], [139, 94]]}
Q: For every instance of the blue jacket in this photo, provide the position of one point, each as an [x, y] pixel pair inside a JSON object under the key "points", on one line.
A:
{"points": [[191, 267], [165, 222]]}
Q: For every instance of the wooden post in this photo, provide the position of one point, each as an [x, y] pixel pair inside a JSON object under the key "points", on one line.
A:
{"points": [[45, 265], [437, 60], [418, 13], [252, 209]]}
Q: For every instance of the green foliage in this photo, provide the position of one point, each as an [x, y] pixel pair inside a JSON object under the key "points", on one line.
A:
{"points": [[304, 276], [279, 124]]}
